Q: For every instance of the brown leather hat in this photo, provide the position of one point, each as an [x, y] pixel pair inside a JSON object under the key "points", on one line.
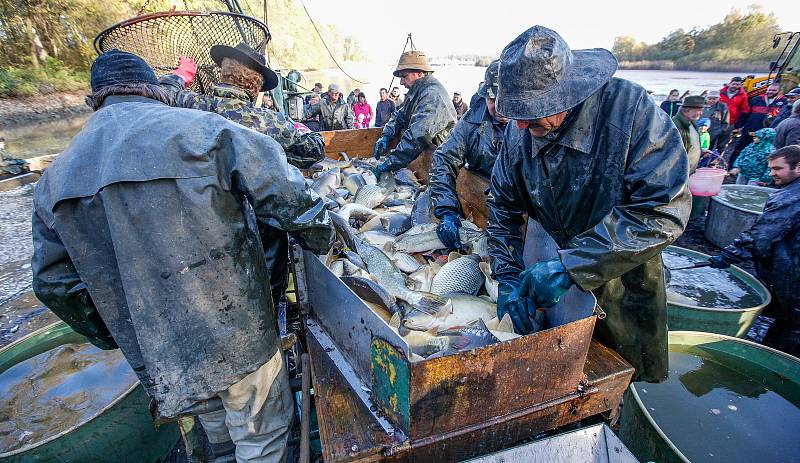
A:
{"points": [[413, 60]]}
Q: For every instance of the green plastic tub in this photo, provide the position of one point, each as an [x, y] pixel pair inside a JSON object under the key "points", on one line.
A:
{"points": [[121, 432], [778, 371], [727, 321]]}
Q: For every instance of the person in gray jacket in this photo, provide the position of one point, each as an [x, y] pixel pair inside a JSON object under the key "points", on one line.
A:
{"points": [[333, 112], [426, 118], [145, 238], [788, 131]]}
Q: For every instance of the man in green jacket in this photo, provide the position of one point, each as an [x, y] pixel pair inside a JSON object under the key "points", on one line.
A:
{"points": [[426, 118], [602, 169], [686, 122]]}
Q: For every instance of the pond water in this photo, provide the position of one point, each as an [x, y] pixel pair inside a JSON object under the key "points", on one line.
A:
{"points": [[57, 390], [706, 287], [42, 139], [713, 413], [746, 197]]}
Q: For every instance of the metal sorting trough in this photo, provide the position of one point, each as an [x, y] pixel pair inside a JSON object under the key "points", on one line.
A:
{"points": [[727, 321], [121, 432], [726, 221], [437, 396], [593, 444]]}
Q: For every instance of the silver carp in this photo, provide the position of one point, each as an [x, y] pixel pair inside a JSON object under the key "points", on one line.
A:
{"points": [[326, 181], [423, 209], [461, 274], [353, 182], [413, 243], [405, 262], [357, 211], [384, 272], [489, 283], [473, 336], [396, 223], [370, 196], [423, 278], [463, 310], [406, 176], [371, 291]]}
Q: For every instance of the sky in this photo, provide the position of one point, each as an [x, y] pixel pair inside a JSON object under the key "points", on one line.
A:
{"points": [[484, 27]]}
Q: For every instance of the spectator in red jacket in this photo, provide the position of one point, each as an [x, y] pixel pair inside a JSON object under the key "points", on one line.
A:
{"points": [[762, 109], [736, 98]]}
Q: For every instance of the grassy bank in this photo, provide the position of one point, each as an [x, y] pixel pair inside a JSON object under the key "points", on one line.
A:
{"points": [[51, 78], [709, 66]]}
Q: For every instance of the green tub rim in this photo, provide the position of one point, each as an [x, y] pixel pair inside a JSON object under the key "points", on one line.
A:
{"points": [[733, 206], [738, 273], [63, 330], [710, 337]]}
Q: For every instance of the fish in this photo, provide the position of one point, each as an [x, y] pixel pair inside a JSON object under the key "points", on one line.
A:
{"points": [[354, 258], [396, 223], [370, 196], [384, 272], [502, 329], [371, 291], [353, 182], [406, 176], [327, 164], [405, 262], [392, 202], [413, 243], [459, 275], [357, 211], [337, 267], [491, 285], [373, 224], [463, 310], [426, 343], [369, 177], [326, 181], [473, 336], [349, 268], [377, 238], [423, 278], [423, 209]]}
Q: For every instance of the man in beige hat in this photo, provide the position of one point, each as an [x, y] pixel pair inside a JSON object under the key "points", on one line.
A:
{"points": [[425, 120]]}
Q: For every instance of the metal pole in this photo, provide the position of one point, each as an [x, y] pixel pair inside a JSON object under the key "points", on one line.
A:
{"points": [[305, 424]]}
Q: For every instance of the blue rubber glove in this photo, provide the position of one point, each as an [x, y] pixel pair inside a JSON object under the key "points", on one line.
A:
{"points": [[519, 308], [719, 262], [545, 282], [380, 168], [381, 146], [448, 231]]}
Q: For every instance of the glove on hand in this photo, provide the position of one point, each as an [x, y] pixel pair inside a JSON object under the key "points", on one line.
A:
{"points": [[381, 147], [545, 282], [448, 231], [187, 70]]}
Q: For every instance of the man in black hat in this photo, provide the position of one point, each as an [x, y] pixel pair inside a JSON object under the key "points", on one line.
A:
{"points": [[474, 144], [686, 122], [144, 234], [594, 160], [244, 73]]}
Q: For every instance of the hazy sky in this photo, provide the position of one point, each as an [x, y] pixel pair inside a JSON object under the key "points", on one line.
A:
{"points": [[485, 27]]}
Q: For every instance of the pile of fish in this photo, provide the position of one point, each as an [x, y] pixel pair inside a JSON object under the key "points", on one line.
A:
{"points": [[389, 254]]}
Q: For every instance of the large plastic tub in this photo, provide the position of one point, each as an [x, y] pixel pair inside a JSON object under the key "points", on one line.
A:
{"points": [[728, 217], [121, 432], [778, 371], [727, 321]]}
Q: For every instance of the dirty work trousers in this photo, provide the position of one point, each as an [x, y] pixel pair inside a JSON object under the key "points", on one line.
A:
{"points": [[257, 416]]}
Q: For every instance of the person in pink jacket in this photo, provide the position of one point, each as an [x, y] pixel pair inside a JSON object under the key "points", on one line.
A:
{"points": [[362, 111]]}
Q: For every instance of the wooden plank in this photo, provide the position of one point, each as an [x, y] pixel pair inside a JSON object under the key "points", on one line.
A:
{"points": [[607, 373], [471, 187], [357, 143], [346, 427]]}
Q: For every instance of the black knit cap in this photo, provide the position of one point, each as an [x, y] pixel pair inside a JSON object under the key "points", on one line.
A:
{"points": [[120, 67]]}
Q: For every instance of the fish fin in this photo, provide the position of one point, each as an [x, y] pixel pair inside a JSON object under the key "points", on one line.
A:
{"points": [[396, 320], [433, 304], [493, 323], [435, 267], [459, 342], [453, 256], [505, 325], [345, 156], [486, 269], [336, 196]]}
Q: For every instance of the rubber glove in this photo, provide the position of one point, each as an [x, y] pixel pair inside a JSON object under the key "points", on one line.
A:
{"points": [[510, 302], [545, 282], [380, 168], [719, 262], [448, 231], [187, 70], [381, 146]]}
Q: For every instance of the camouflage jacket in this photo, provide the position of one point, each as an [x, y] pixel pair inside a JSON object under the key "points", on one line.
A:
{"points": [[302, 150], [426, 119]]}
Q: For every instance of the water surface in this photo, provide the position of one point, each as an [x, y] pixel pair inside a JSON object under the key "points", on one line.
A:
{"points": [[746, 197], [713, 413], [58, 389]]}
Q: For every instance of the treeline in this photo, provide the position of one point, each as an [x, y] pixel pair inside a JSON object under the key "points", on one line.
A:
{"points": [[46, 45], [741, 41]]}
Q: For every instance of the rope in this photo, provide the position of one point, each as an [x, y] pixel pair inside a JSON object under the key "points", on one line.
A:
{"points": [[408, 39], [326, 46]]}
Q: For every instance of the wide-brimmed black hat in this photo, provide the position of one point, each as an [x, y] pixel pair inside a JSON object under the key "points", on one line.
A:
{"points": [[245, 54], [694, 101], [540, 76]]}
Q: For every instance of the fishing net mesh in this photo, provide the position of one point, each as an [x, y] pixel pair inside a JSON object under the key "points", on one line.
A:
{"points": [[161, 38]]}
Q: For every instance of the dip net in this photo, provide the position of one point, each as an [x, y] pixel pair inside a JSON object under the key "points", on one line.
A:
{"points": [[161, 38]]}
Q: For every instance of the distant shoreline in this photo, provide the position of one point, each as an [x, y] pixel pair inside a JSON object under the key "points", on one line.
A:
{"points": [[757, 68]]}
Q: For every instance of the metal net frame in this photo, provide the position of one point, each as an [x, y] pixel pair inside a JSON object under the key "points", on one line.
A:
{"points": [[161, 38]]}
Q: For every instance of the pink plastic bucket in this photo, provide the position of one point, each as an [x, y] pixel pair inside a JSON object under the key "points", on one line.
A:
{"points": [[706, 181]]}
